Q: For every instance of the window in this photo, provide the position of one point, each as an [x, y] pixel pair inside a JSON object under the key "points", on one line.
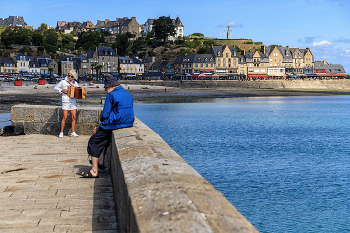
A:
{"points": [[226, 54]]}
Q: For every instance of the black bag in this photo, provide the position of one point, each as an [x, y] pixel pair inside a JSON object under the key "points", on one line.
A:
{"points": [[13, 130]]}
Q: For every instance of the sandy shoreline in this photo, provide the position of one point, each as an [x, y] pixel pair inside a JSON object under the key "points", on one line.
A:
{"points": [[45, 95]]}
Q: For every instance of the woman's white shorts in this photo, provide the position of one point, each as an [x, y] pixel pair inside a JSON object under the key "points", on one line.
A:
{"points": [[68, 106]]}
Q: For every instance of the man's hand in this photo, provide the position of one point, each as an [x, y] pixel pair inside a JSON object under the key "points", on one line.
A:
{"points": [[95, 129]]}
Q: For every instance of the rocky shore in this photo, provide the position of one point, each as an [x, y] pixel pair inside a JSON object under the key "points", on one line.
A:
{"points": [[45, 95]]}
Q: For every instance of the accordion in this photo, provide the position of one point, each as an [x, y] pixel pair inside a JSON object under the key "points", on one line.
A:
{"points": [[76, 92]]}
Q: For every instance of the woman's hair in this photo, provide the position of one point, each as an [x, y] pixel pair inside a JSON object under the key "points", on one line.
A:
{"points": [[73, 73]]}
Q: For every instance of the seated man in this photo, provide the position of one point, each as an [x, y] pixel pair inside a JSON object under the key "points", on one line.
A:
{"points": [[117, 113]]}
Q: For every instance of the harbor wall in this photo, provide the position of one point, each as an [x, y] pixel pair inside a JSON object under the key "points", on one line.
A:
{"points": [[46, 119], [263, 84], [155, 190]]}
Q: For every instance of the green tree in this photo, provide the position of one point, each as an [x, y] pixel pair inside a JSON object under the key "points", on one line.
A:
{"points": [[16, 35], [204, 49], [197, 35], [67, 38], [51, 40], [50, 69], [43, 28], [122, 44], [23, 36], [209, 42], [239, 51], [185, 51], [51, 37], [98, 68], [188, 44], [163, 27], [89, 40], [37, 38], [8, 36]]}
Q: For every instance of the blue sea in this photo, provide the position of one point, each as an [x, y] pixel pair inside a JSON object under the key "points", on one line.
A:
{"points": [[283, 162]]}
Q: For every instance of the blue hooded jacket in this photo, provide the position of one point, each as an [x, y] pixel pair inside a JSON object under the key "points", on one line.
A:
{"points": [[118, 111]]}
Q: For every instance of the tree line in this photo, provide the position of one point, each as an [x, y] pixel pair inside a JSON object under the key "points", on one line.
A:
{"points": [[125, 44]]}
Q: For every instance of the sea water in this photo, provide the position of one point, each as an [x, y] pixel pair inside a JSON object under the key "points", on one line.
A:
{"points": [[5, 119], [283, 162]]}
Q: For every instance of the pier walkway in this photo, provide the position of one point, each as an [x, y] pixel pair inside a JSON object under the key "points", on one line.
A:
{"points": [[41, 191]]}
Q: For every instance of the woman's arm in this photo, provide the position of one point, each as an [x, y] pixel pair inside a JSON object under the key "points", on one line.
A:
{"points": [[58, 87]]}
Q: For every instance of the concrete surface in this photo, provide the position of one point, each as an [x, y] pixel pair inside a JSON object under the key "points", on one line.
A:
{"points": [[41, 191]]}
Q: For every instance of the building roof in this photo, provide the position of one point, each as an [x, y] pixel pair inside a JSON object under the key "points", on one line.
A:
{"points": [[13, 21], [192, 58], [106, 51], [330, 69], [6, 60], [136, 61], [18, 56]]}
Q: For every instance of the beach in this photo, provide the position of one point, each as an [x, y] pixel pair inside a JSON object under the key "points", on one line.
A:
{"points": [[45, 95]]}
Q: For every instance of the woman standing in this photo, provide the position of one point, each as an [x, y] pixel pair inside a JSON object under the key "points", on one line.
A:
{"points": [[68, 104]]}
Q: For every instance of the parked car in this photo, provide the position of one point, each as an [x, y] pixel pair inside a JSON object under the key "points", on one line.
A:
{"points": [[52, 81]]}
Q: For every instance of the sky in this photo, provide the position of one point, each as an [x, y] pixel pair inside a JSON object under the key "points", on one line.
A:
{"points": [[321, 25]]}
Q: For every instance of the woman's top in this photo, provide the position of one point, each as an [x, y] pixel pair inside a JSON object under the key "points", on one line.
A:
{"points": [[64, 84], [118, 111]]}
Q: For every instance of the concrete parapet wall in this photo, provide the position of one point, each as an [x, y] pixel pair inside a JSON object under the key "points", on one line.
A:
{"points": [[46, 119], [157, 191], [264, 84]]}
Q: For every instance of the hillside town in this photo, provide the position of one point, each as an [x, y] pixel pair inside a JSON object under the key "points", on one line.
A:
{"points": [[223, 62]]}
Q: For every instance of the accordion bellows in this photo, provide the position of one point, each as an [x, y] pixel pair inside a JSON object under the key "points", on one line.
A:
{"points": [[76, 92]]}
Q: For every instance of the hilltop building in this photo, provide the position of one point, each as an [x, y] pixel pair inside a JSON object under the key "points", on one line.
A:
{"points": [[147, 27], [179, 30], [12, 21]]}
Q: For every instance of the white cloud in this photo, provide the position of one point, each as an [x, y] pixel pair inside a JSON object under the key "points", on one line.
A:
{"points": [[322, 43], [231, 23], [325, 50]]}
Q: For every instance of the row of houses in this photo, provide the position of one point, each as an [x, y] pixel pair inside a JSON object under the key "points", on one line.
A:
{"points": [[118, 27], [101, 60], [223, 62], [270, 62]]}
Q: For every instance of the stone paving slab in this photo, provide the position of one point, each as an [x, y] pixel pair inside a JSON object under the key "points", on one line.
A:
{"points": [[41, 191]]}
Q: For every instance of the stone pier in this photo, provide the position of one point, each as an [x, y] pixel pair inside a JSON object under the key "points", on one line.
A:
{"points": [[154, 189]]}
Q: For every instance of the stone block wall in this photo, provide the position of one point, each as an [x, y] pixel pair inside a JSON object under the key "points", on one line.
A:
{"points": [[46, 119], [157, 191], [263, 84]]}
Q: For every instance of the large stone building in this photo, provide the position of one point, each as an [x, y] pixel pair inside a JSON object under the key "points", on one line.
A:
{"points": [[269, 62], [147, 27], [105, 57], [12, 21], [7, 65]]}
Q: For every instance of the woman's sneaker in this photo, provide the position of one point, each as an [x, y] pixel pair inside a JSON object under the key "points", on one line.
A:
{"points": [[74, 135], [60, 135]]}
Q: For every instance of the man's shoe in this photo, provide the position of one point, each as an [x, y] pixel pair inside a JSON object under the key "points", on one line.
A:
{"points": [[61, 135], [74, 135]]}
